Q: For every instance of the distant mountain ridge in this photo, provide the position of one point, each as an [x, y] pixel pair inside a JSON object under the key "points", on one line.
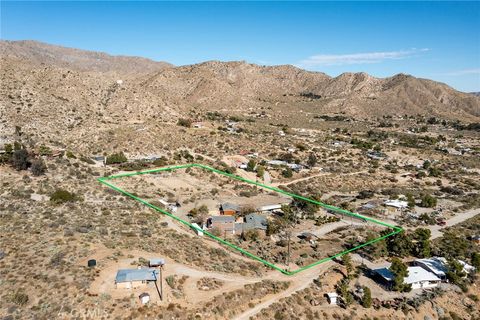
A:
{"points": [[56, 90], [76, 59]]}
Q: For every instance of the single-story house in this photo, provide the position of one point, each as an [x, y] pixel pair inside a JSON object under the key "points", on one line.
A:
{"points": [[156, 262], [252, 222], [229, 209], [134, 278], [436, 265], [226, 224], [399, 204], [439, 266], [270, 207], [418, 278]]}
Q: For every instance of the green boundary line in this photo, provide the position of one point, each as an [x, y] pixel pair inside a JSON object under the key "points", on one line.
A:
{"points": [[271, 265]]}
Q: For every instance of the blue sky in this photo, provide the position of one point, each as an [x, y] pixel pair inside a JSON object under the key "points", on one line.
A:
{"points": [[436, 40]]}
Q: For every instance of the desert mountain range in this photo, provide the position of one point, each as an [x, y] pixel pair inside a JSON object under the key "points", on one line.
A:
{"points": [[56, 90]]}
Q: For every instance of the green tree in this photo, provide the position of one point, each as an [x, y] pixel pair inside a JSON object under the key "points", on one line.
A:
{"points": [[411, 200], [260, 171], [347, 262], [428, 201], [377, 249], [476, 260], [367, 297], [422, 246], [342, 289], [400, 272], [251, 165], [455, 273], [399, 245], [289, 214], [275, 226], [452, 245]]}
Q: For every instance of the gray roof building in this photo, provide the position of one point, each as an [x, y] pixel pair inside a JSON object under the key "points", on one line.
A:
{"points": [[155, 262], [230, 206], [222, 219], [257, 221]]}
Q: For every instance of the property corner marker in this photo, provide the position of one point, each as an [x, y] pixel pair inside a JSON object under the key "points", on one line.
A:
{"points": [[395, 229]]}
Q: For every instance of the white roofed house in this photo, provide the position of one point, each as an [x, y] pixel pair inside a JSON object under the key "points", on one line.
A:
{"points": [[398, 204], [439, 266], [418, 278]]}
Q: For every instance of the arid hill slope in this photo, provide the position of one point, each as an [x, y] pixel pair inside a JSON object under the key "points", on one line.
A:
{"points": [[75, 59], [60, 92]]}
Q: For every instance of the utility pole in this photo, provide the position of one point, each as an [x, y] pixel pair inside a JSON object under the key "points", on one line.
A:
{"points": [[288, 249], [161, 283]]}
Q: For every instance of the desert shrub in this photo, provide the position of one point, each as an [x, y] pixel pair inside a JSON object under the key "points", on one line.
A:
{"points": [[116, 158], [20, 159], [287, 173], [19, 298], [38, 167], [61, 196], [183, 122], [70, 155], [250, 235], [44, 150]]}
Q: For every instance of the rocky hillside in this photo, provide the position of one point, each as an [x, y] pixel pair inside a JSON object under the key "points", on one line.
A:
{"points": [[54, 91]]}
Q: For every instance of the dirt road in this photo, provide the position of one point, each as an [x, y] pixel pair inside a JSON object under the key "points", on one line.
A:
{"points": [[299, 282], [460, 217]]}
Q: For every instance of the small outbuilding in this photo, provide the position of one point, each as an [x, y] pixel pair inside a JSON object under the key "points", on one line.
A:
{"points": [[91, 263], [156, 262], [332, 298], [144, 298], [198, 230], [229, 209]]}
